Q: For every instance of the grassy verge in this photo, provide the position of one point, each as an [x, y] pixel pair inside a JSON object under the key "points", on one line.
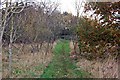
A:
{"points": [[61, 65]]}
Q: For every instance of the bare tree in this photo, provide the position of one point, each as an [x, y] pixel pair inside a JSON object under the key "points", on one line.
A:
{"points": [[0, 42], [78, 7], [8, 11]]}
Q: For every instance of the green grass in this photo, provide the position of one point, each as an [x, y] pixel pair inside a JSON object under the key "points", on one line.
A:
{"points": [[33, 72], [61, 65]]}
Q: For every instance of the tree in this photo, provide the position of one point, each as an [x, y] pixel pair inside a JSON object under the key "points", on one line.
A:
{"points": [[105, 12], [99, 30], [7, 13]]}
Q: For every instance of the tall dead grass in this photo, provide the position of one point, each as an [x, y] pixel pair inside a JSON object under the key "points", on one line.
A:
{"points": [[24, 59], [107, 68]]}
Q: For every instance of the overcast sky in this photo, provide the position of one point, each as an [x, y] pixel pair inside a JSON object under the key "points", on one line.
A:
{"points": [[64, 5], [68, 5]]}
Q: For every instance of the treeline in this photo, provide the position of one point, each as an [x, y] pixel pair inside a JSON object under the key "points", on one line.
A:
{"points": [[37, 23], [97, 34]]}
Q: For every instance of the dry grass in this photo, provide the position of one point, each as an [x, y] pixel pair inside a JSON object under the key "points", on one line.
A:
{"points": [[108, 68], [24, 63], [29, 65], [105, 69]]}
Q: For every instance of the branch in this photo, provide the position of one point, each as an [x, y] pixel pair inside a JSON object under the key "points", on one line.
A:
{"points": [[18, 11]]}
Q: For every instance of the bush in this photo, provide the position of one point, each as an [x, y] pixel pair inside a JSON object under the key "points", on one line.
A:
{"points": [[96, 41]]}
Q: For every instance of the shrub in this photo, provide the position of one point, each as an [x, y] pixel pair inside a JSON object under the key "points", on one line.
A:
{"points": [[96, 41]]}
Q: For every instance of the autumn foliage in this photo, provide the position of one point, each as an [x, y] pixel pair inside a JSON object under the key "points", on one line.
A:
{"points": [[99, 33], [96, 41]]}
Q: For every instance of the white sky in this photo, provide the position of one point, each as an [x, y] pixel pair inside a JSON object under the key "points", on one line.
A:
{"points": [[68, 5], [65, 5]]}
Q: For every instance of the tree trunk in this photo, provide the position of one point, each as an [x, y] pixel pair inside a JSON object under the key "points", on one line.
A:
{"points": [[10, 47], [0, 45], [10, 55], [10, 60], [0, 59]]}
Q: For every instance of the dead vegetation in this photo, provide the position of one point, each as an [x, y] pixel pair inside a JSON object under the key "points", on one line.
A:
{"points": [[29, 64], [107, 68], [26, 62]]}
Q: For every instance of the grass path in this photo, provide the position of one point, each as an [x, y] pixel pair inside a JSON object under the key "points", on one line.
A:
{"points": [[61, 65]]}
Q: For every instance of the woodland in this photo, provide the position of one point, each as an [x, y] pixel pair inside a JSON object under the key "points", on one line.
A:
{"points": [[38, 41]]}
